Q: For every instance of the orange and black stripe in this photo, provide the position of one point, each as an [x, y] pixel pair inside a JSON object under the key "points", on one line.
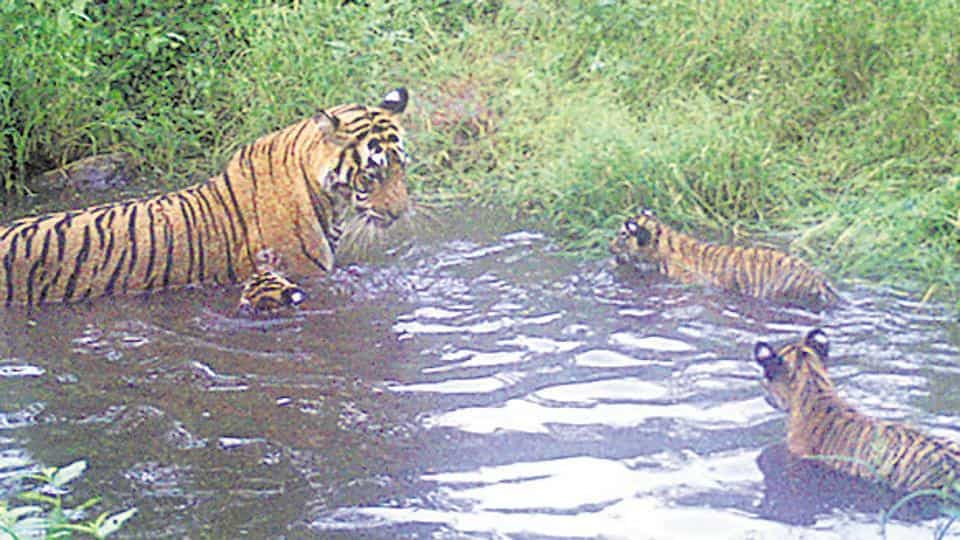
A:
{"points": [[269, 291], [753, 271], [823, 426], [286, 192]]}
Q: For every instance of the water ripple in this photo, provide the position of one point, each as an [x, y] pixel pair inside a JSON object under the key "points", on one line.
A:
{"points": [[601, 358], [479, 386], [12, 369], [476, 385], [529, 416], [631, 340]]}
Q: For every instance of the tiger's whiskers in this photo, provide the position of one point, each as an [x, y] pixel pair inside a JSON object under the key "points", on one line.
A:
{"points": [[363, 237], [360, 235], [422, 212]]}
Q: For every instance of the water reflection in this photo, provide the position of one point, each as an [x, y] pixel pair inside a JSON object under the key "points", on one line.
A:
{"points": [[474, 385]]}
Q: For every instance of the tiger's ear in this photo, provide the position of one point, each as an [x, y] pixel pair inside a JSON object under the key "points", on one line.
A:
{"points": [[817, 340], [327, 123], [763, 353], [768, 359], [395, 101]]}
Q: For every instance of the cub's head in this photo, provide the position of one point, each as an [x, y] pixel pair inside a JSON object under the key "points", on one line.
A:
{"points": [[787, 371], [267, 292], [634, 242], [369, 166]]}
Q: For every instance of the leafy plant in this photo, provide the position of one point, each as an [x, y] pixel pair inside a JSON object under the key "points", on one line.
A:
{"points": [[45, 515]]}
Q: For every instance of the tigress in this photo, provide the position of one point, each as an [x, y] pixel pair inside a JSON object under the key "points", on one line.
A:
{"points": [[758, 272], [286, 194], [821, 424]]}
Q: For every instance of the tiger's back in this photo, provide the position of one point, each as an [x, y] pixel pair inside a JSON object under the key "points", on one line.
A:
{"points": [[758, 272], [138, 245], [822, 425]]}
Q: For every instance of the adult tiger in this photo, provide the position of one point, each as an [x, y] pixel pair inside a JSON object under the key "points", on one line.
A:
{"points": [[758, 272], [821, 424], [285, 194]]}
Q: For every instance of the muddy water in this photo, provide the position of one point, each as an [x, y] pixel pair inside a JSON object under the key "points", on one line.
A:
{"points": [[472, 384]]}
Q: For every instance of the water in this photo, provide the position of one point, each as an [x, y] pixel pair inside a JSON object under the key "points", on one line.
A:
{"points": [[473, 384]]}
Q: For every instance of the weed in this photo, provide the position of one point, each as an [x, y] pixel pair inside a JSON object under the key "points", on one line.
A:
{"points": [[46, 516], [830, 125]]}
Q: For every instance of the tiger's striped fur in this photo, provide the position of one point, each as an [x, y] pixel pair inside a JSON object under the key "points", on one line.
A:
{"points": [[269, 291], [753, 271], [288, 191], [821, 424]]}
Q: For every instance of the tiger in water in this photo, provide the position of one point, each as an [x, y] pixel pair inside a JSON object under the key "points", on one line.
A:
{"points": [[753, 271], [287, 194], [821, 424]]}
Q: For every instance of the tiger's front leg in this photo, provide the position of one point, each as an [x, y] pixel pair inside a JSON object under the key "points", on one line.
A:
{"points": [[268, 290]]}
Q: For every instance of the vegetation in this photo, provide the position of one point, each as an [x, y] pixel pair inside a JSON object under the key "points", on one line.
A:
{"points": [[828, 127], [45, 515], [950, 508], [948, 497]]}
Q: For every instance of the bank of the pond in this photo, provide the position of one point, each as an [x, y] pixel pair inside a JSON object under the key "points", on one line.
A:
{"points": [[830, 127]]}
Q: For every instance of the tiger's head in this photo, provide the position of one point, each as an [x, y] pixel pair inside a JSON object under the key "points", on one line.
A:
{"points": [[788, 371], [368, 170], [267, 292], [634, 242]]}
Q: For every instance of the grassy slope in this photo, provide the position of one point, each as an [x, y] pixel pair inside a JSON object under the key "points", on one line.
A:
{"points": [[831, 127]]}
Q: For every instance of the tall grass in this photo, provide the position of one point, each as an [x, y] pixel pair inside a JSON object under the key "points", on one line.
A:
{"points": [[82, 77], [830, 126]]}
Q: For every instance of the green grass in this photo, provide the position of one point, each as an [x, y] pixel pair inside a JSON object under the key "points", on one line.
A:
{"points": [[829, 126]]}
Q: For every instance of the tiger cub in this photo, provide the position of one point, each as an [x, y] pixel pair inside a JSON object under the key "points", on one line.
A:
{"points": [[758, 272], [821, 424], [268, 292], [292, 192]]}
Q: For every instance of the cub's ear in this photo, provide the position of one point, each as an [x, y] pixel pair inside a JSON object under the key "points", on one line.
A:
{"points": [[763, 353], [768, 359], [395, 101], [817, 340]]}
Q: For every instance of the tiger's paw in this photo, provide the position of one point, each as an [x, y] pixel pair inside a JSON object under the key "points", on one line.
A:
{"points": [[268, 292]]}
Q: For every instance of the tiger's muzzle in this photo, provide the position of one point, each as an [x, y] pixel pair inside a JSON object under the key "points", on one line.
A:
{"points": [[391, 201], [620, 250]]}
